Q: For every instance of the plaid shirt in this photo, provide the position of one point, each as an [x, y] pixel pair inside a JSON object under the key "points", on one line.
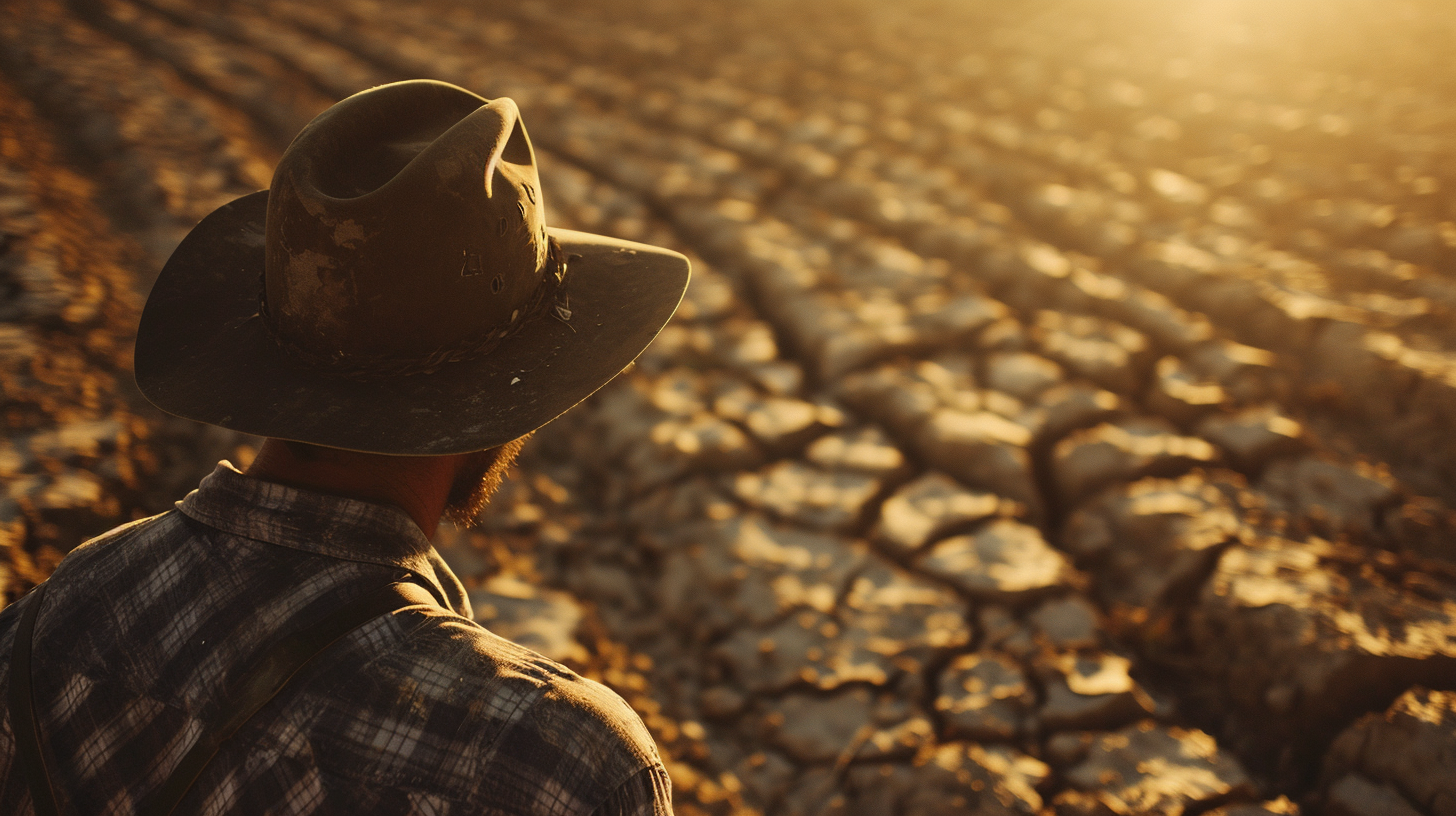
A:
{"points": [[416, 712]]}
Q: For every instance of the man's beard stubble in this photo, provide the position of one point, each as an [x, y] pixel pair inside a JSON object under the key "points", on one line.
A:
{"points": [[477, 480]]}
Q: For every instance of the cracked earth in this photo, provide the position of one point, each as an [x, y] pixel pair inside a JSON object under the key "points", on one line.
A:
{"points": [[1058, 420]]}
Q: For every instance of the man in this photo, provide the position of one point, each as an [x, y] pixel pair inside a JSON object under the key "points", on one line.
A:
{"points": [[395, 317]]}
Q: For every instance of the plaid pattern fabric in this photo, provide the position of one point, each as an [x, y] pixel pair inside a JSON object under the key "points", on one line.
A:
{"points": [[418, 712]]}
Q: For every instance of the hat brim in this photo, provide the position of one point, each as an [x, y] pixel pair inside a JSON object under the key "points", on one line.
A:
{"points": [[202, 351]]}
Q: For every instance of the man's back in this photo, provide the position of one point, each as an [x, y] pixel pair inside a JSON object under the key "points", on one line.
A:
{"points": [[419, 711]]}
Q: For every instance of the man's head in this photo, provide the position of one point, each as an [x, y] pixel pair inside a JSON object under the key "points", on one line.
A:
{"points": [[397, 290]]}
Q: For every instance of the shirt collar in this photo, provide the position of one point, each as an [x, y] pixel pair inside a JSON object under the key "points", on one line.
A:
{"points": [[321, 524]]}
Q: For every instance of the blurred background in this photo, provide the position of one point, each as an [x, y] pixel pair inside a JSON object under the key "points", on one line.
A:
{"points": [[1059, 419]]}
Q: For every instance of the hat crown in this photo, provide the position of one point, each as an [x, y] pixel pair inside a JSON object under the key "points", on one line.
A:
{"points": [[405, 225]]}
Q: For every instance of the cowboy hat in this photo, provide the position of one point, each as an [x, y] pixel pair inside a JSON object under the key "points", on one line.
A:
{"points": [[397, 290]]}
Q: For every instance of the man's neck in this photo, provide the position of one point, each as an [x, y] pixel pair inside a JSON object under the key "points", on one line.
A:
{"points": [[418, 485]]}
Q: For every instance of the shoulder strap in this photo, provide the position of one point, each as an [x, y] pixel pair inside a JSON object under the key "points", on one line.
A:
{"points": [[23, 721], [240, 702]]}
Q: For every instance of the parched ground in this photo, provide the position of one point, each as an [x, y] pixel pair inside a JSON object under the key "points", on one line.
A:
{"points": [[1059, 420]]}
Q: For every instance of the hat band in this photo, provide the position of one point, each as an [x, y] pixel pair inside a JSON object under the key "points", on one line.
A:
{"points": [[549, 299]]}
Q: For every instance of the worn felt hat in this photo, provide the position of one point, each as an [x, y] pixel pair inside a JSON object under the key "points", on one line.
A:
{"points": [[397, 289]]}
